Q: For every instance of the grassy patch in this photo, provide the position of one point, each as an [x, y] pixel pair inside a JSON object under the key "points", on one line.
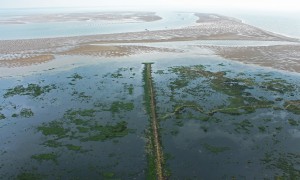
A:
{"points": [[53, 144], [33, 90], [244, 125], [293, 122], [262, 129], [293, 106], [102, 133], [45, 157], [75, 77], [54, 128], [73, 147], [74, 115], [215, 149], [29, 176], [119, 106], [130, 89], [108, 175], [278, 85], [2, 116], [26, 113]]}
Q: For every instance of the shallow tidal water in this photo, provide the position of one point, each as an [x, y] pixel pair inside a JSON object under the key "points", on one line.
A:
{"points": [[218, 120]]}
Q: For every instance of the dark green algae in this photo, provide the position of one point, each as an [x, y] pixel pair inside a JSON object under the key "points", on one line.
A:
{"points": [[32, 90], [237, 89], [191, 93]]}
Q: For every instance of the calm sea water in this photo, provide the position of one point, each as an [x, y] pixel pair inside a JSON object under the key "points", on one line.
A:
{"points": [[63, 29], [287, 24], [283, 23]]}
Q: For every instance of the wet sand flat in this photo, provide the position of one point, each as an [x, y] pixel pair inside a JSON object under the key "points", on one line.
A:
{"points": [[208, 27], [282, 57], [125, 17]]}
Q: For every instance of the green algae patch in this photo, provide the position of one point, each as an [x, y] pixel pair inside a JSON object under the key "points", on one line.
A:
{"points": [[46, 157], [244, 125], [108, 175], [54, 128], [73, 147], [289, 171], [130, 89], [53, 144], [262, 129], [278, 85], [71, 114], [33, 90], [75, 77], [25, 112], [215, 149], [2, 116], [29, 176], [119, 106], [240, 101], [285, 162], [83, 129], [292, 122], [293, 106], [107, 132]]}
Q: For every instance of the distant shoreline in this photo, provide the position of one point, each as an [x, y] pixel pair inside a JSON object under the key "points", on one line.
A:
{"points": [[208, 27]]}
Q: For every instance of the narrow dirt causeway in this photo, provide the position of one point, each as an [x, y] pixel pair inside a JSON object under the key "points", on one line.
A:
{"points": [[155, 146]]}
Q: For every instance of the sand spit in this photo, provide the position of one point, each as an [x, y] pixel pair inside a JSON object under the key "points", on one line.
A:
{"points": [[125, 17], [114, 51], [208, 27], [282, 57], [223, 29], [26, 61]]}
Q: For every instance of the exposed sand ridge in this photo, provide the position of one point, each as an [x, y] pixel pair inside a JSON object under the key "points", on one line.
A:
{"points": [[209, 27]]}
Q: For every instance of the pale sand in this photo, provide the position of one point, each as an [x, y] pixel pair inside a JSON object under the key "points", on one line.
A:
{"points": [[209, 27], [125, 17], [223, 29], [26, 61], [114, 51], [282, 57]]}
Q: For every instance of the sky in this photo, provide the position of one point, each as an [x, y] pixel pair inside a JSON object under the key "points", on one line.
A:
{"points": [[263, 5]]}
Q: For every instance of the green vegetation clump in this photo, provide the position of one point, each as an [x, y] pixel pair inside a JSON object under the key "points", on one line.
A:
{"points": [[278, 85], [2, 116], [75, 76], [102, 133], [243, 125], [53, 144], [286, 163], [45, 157], [108, 175], [240, 99], [29, 176], [262, 129], [215, 149], [293, 122], [82, 127], [293, 106], [32, 90], [289, 171], [54, 128], [26, 113], [118, 106], [73, 147], [72, 114], [130, 89]]}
